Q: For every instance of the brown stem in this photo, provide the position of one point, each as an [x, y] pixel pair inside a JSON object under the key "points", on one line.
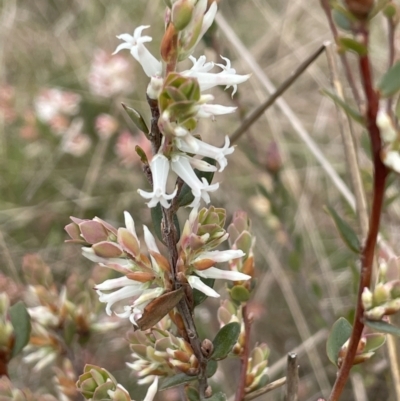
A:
{"points": [[171, 239], [367, 256], [245, 355], [4, 358], [347, 69]]}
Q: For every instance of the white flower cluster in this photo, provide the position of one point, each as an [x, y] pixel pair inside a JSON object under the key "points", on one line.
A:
{"points": [[184, 151]]}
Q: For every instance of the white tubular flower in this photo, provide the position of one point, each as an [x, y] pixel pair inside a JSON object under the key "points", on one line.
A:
{"points": [[207, 80], [213, 272], [392, 160], [196, 283], [211, 110], [204, 149], [129, 289], [181, 166], [221, 256], [134, 43], [159, 168], [135, 311], [198, 164]]}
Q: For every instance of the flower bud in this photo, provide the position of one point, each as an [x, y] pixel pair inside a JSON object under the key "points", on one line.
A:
{"points": [[367, 298], [95, 383], [381, 294], [386, 127], [207, 347], [360, 8], [181, 15]]}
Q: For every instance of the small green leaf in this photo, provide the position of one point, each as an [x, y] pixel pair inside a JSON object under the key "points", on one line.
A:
{"points": [[199, 296], [383, 327], [340, 333], [342, 20], [137, 119], [346, 232], [142, 154], [192, 394], [354, 114], [390, 82], [217, 397], [240, 294], [185, 196], [21, 322], [397, 109], [176, 380], [225, 340], [212, 367], [156, 218], [353, 45], [374, 341]]}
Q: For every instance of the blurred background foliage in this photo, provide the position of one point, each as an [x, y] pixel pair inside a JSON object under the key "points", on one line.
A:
{"points": [[68, 148]]}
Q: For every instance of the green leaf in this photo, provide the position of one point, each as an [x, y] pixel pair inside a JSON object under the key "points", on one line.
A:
{"points": [[217, 397], [212, 367], [137, 119], [352, 45], [354, 114], [21, 322], [225, 340], [142, 154], [342, 20], [186, 197], [176, 380], [182, 378], [390, 82], [199, 296], [340, 333], [240, 294], [374, 341], [346, 232], [156, 217], [383, 327], [192, 394]]}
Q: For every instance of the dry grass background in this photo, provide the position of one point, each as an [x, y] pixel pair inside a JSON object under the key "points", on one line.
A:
{"points": [[306, 275]]}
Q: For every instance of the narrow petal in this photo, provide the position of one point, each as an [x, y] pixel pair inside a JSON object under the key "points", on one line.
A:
{"points": [[119, 295], [207, 150], [152, 390], [119, 282], [130, 224], [213, 272], [195, 282], [150, 240], [221, 256]]}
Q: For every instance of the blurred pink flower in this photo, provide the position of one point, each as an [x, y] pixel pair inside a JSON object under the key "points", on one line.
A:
{"points": [[109, 75], [105, 125], [7, 109], [75, 142], [53, 102], [29, 130], [125, 148]]}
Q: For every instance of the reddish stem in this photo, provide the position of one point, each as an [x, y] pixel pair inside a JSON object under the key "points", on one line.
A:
{"points": [[367, 256], [245, 355]]}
